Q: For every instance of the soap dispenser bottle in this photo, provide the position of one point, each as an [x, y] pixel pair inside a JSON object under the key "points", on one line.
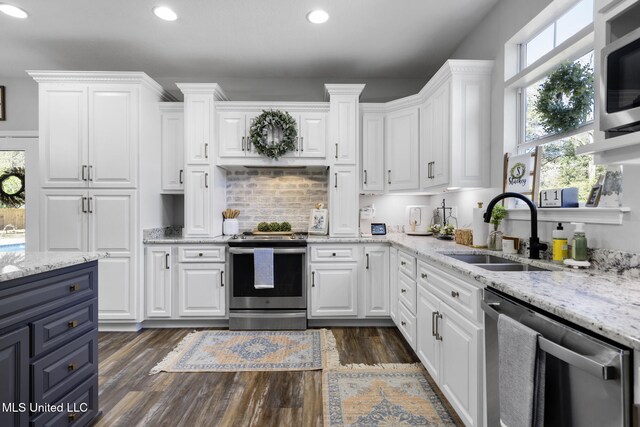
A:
{"points": [[579, 243], [560, 244]]}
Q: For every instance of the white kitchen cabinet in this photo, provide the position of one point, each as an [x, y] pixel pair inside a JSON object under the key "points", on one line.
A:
{"points": [[158, 281], [343, 201], [201, 290], [172, 121], [233, 134], [373, 153], [334, 290], [198, 122], [427, 343], [89, 135], [198, 201], [393, 284], [312, 131], [343, 122], [402, 143], [376, 281], [455, 129], [97, 221]]}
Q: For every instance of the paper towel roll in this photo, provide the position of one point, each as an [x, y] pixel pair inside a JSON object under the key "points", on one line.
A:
{"points": [[480, 228]]}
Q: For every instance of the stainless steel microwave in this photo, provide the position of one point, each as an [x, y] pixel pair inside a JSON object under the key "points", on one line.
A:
{"points": [[620, 85]]}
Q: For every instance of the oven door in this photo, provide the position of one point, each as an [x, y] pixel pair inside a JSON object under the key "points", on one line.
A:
{"points": [[289, 273]]}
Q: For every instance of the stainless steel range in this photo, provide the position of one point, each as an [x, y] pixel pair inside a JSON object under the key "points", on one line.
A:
{"points": [[282, 307]]}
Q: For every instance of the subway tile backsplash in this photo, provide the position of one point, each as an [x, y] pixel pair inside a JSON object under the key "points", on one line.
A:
{"points": [[276, 195]]}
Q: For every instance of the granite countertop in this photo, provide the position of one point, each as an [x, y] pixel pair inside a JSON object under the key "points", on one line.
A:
{"points": [[14, 265]]}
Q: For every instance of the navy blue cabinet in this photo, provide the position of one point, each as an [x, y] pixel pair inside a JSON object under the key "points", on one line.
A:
{"points": [[49, 348]]}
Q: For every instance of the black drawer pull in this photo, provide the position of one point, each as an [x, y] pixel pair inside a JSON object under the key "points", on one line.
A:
{"points": [[423, 275], [403, 263], [200, 254], [455, 294], [72, 324], [71, 367], [403, 323], [403, 291], [74, 288], [333, 254]]}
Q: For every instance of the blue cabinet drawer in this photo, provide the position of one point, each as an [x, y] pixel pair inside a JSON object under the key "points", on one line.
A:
{"points": [[80, 407], [28, 300], [57, 329], [60, 372]]}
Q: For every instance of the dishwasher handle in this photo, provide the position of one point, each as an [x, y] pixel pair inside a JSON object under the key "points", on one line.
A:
{"points": [[585, 363]]}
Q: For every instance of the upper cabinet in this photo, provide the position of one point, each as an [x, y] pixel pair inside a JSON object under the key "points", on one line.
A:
{"points": [[172, 146], [198, 113], [344, 120], [455, 126], [401, 150], [312, 135], [372, 153], [233, 134], [88, 134]]}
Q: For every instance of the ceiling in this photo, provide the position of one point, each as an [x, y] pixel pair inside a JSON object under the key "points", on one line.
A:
{"points": [[256, 49]]}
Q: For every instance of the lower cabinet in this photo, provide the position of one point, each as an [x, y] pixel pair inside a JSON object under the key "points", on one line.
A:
{"points": [[158, 281], [393, 283], [201, 290], [334, 290], [14, 367], [376, 281]]}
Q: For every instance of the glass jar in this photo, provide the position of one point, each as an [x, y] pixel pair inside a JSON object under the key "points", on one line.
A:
{"points": [[494, 242]]}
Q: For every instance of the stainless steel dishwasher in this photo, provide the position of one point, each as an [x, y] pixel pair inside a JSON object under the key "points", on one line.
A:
{"points": [[588, 381]]}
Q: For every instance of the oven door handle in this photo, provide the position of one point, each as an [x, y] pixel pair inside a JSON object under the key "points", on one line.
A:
{"points": [[275, 251]]}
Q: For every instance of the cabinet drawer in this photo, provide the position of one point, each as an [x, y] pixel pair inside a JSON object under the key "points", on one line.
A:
{"points": [[407, 325], [334, 253], [80, 407], [28, 300], [407, 264], [59, 328], [407, 292], [461, 296], [61, 371], [201, 254]]}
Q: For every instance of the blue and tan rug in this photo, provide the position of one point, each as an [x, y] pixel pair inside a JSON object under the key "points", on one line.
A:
{"points": [[397, 396], [234, 351]]}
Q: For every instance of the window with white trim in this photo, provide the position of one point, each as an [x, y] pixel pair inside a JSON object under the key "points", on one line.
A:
{"points": [[540, 55]]}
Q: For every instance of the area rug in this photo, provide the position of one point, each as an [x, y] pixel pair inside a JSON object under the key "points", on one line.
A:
{"points": [[399, 395], [234, 351]]}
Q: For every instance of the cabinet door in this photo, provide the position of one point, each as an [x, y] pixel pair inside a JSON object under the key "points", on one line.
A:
{"points": [[436, 142], [343, 201], [248, 120], [157, 276], [198, 126], [461, 371], [373, 153], [401, 148], [112, 216], [393, 284], [344, 135], [201, 290], [172, 151], [376, 281], [14, 371], [427, 347], [198, 201], [313, 134], [64, 156], [334, 290], [231, 134], [64, 221], [113, 136]]}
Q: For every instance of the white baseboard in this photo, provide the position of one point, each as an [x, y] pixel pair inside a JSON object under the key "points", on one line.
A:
{"points": [[171, 323], [350, 322], [119, 327]]}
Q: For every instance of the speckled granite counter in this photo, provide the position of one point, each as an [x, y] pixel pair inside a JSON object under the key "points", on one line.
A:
{"points": [[14, 265]]}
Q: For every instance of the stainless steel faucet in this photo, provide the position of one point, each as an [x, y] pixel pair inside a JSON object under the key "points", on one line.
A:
{"points": [[534, 242]]}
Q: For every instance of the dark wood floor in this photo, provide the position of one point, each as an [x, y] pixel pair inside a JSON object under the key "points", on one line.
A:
{"points": [[129, 396]]}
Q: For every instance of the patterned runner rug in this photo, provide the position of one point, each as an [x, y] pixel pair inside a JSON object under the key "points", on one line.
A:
{"points": [[398, 395], [234, 351]]}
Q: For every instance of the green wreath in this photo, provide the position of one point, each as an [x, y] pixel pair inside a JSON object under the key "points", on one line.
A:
{"points": [[565, 97], [273, 133], [12, 188]]}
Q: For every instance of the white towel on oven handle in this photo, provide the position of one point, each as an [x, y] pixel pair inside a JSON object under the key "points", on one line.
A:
{"points": [[263, 268]]}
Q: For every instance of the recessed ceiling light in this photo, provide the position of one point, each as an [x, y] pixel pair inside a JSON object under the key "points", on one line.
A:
{"points": [[317, 16], [14, 11], [165, 13]]}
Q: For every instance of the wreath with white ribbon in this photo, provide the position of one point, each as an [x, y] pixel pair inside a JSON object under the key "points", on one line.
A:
{"points": [[565, 97], [12, 187], [273, 133]]}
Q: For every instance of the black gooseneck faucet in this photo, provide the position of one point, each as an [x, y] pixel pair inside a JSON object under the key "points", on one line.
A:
{"points": [[534, 242]]}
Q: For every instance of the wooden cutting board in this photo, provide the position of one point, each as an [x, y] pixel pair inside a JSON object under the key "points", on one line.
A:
{"points": [[272, 233]]}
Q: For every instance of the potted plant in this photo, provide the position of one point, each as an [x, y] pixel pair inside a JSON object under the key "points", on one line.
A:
{"points": [[494, 242], [447, 232], [435, 229]]}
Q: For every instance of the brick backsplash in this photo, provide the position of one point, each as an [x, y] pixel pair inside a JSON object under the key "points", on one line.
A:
{"points": [[276, 195]]}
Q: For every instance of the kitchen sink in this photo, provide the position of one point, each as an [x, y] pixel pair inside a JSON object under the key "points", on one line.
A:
{"points": [[495, 263]]}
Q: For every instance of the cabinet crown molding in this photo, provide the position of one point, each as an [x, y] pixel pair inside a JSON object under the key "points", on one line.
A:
{"points": [[251, 106], [203, 88], [171, 107], [342, 89], [100, 77]]}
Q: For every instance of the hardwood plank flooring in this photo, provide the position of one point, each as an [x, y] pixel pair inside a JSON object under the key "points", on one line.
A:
{"points": [[129, 396]]}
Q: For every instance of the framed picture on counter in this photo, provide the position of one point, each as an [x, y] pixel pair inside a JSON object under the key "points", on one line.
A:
{"points": [[3, 117], [319, 222], [594, 196]]}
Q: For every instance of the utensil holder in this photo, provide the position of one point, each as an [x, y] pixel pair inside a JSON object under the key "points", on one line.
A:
{"points": [[230, 227]]}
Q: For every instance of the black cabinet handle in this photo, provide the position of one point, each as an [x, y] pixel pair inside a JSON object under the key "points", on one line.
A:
{"points": [[222, 279], [389, 176], [302, 143], [243, 143], [166, 261], [206, 180], [423, 275], [84, 170], [90, 208], [336, 150], [90, 173], [365, 177], [206, 151], [84, 209], [313, 279], [181, 176], [336, 184], [433, 323], [367, 255]]}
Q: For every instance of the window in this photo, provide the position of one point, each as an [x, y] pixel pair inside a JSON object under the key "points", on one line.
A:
{"points": [[560, 165]]}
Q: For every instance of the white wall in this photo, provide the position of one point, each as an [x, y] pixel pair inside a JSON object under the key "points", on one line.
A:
{"points": [[390, 209], [487, 42], [21, 102]]}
